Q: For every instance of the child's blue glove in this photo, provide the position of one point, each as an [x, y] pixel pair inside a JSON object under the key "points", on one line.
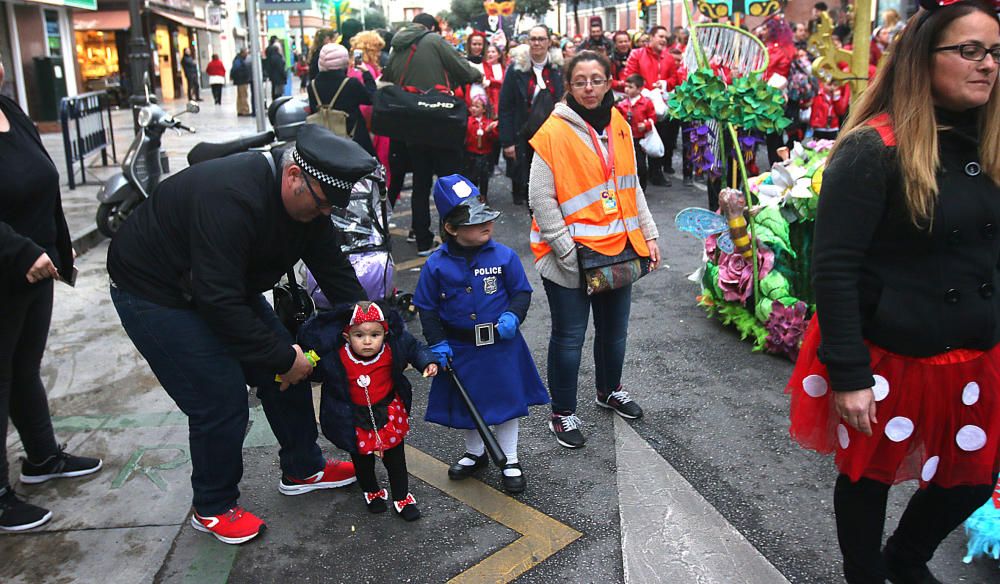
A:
{"points": [[507, 325], [443, 351]]}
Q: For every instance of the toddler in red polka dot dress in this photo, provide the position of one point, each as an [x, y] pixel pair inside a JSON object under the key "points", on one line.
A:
{"points": [[366, 398]]}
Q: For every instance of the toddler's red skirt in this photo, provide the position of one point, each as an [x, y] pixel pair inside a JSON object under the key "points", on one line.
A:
{"points": [[938, 417], [388, 436]]}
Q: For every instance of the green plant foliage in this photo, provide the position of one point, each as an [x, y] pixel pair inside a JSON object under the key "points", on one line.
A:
{"points": [[747, 103], [771, 228], [732, 314], [699, 97]]}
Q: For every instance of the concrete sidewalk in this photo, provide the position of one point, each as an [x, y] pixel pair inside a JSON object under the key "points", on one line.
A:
{"points": [[214, 123]]}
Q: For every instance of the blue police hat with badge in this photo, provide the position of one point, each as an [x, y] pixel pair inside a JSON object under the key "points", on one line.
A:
{"points": [[455, 190]]}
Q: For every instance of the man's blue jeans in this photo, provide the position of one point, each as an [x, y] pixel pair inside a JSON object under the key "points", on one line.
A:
{"points": [[570, 308], [209, 385]]}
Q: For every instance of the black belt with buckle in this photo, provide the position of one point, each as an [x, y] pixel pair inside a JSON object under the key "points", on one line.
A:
{"points": [[482, 335]]}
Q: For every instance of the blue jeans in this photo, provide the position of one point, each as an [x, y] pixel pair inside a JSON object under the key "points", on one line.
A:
{"points": [[570, 308], [209, 385]]}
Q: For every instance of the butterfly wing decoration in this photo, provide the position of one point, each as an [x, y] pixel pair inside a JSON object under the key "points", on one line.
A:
{"points": [[507, 8], [703, 223]]}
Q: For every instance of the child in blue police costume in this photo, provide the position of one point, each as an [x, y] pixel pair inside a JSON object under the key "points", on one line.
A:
{"points": [[472, 297], [365, 404]]}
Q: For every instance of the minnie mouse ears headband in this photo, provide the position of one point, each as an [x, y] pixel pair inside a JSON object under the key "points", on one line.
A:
{"points": [[370, 313]]}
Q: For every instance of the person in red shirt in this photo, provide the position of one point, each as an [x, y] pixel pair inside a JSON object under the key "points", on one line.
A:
{"points": [[481, 138], [659, 70], [829, 107], [216, 72], [641, 116]]}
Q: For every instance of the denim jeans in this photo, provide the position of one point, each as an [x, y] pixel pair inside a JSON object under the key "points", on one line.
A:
{"points": [[209, 385], [570, 308]]}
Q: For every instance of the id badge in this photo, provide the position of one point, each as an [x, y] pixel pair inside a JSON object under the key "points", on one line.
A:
{"points": [[609, 199]]}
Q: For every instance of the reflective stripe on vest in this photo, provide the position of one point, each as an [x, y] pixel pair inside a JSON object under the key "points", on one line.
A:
{"points": [[581, 186]]}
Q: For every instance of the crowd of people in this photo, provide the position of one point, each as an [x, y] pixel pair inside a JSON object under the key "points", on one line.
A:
{"points": [[902, 384]]}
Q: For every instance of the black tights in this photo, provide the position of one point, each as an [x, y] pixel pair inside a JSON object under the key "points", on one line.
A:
{"points": [[24, 329], [394, 460], [932, 514]]}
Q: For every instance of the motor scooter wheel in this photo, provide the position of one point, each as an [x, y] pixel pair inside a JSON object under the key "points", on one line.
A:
{"points": [[109, 218]]}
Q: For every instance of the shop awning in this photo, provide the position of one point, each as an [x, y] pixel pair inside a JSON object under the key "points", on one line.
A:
{"points": [[188, 21], [102, 20]]}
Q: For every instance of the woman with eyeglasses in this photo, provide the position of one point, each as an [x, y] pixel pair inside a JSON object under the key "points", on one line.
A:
{"points": [[904, 381], [584, 191]]}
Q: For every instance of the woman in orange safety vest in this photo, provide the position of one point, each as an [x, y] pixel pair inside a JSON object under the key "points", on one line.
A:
{"points": [[583, 190]]}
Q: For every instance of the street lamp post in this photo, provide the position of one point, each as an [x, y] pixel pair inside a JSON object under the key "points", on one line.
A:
{"points": [[138, 58]]}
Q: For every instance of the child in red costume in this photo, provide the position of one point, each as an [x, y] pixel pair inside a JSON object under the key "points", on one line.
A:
{"points": [[480, 143], [366, 399], [641, 115]]}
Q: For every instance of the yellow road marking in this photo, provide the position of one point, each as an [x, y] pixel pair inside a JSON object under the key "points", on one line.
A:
{"points": [[410, 264], [541, 535]]}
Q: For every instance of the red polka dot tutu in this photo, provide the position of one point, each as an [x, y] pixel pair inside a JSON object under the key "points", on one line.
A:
{"points": [[938, 417], [391, 434]]}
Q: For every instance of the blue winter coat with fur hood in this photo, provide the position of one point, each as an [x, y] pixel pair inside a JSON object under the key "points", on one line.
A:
{"points": [[323, 333]]}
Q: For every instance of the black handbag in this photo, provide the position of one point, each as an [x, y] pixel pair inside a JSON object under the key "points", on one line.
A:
{"points": [[602, 273], [541, 108], [429, 117], [292, 303]]}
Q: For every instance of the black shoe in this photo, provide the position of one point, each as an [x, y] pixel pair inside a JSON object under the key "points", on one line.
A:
{"points": [[376, 501], [669, 170], [659, 181], [58, 466], [898, 571], [566, 428], [688, 181], [457, 472], [18, 515], [514, 484], [407, 508], [621, 403], [411, 236]]}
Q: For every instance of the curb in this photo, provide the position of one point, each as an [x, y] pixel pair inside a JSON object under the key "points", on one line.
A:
{"points": [[87, 241]]}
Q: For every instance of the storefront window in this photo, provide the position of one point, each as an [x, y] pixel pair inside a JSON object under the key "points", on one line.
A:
{"points": [[97, 53]]}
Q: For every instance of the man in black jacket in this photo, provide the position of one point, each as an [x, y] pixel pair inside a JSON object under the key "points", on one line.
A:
{"points": [[242, 75], [188, 270], [276, 69], [190, 67]]}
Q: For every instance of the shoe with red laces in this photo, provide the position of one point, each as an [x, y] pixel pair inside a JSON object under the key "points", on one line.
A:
{"points": [[234, 526], [334, 474], [407, 508]]}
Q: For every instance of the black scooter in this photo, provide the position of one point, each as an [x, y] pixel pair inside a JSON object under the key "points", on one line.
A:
{"points": [[141, 168]]}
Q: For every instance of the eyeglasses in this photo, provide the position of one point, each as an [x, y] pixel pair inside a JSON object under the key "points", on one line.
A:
{"points": [[320, 203], [973, 52], [595, 83], [537, 39]]}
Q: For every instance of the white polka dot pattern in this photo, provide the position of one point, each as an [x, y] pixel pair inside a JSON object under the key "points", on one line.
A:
{"points": [[930, 468], [843, 437], [815, 386], [881, 388], [970, 438], [970, 395], [899, 428]]}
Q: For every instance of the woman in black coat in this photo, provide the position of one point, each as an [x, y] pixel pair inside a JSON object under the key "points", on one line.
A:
{"points": [[333, 71], [900, 374], [35, 250]]}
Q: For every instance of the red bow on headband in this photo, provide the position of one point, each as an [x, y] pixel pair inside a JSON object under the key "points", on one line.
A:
{"points": [[360, 316]]}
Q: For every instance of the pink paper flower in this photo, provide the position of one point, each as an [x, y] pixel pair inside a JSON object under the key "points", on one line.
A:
{"points": [[785, 328], [736, 273]]}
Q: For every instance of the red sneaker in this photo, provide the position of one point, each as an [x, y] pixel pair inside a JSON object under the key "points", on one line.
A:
{"points": [[234, 526], [335, 474]]}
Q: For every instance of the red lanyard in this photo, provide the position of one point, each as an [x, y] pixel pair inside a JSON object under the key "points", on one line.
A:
{"points": [[608, 164]]}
